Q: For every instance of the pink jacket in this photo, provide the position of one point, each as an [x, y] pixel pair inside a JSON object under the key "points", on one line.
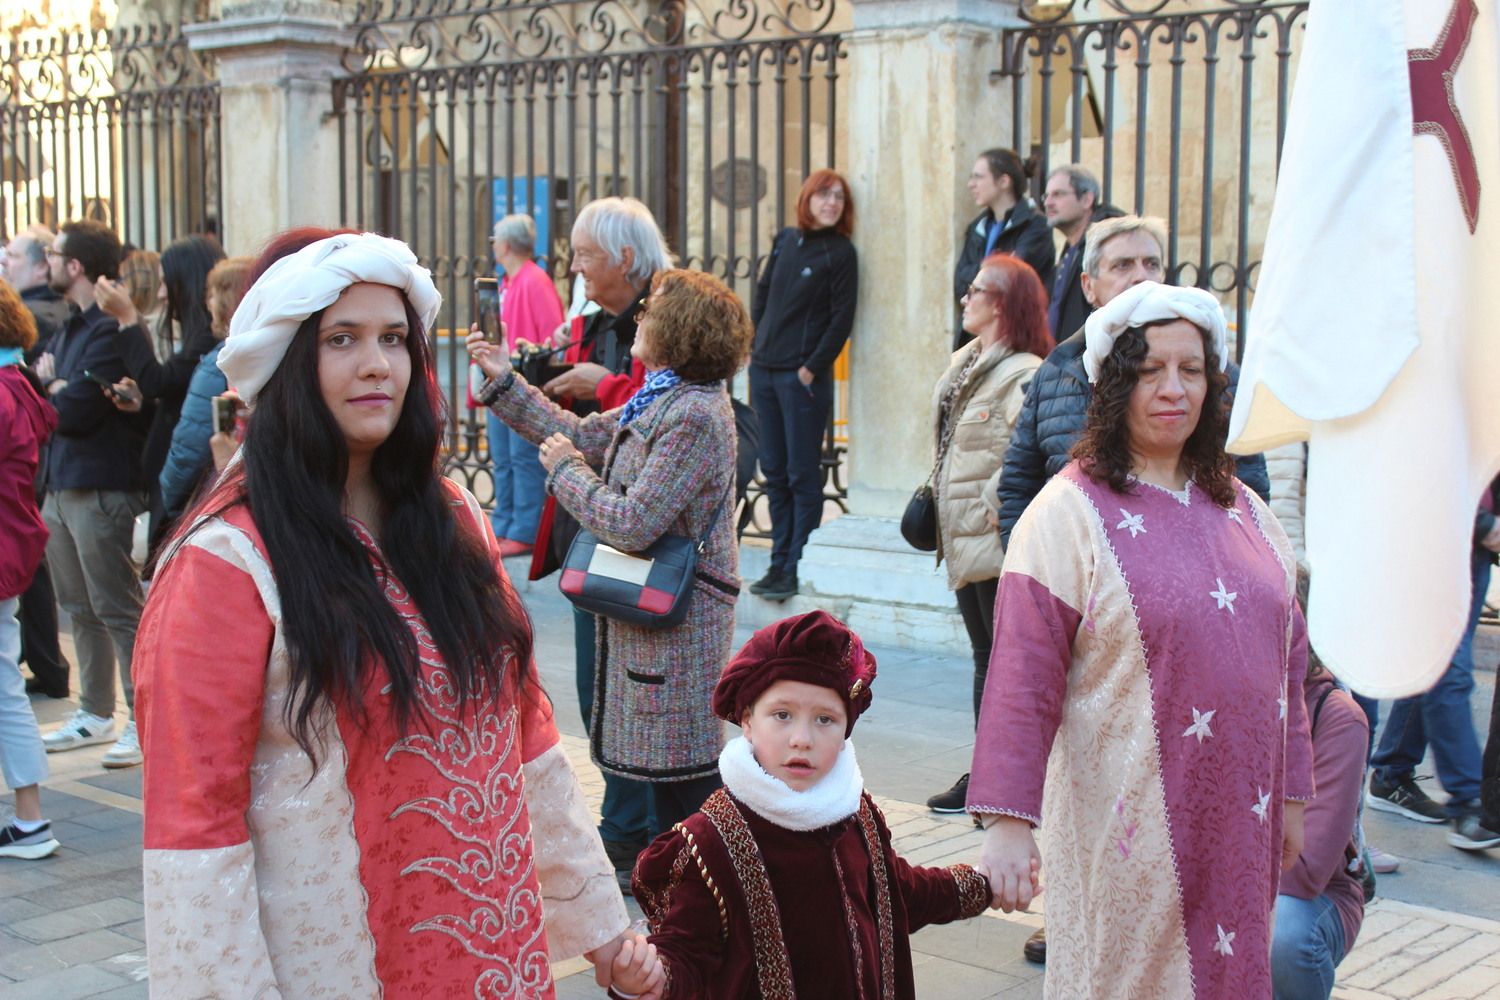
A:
{"points": [[531, 309], [26, 421]]}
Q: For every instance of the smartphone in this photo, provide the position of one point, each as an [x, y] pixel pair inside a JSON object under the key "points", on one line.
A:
{"points": [[224, 414], [487, 308], [101, 380]]}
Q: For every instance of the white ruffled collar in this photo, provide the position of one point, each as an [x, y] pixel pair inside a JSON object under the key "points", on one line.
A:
{"points": [[832, 799]]}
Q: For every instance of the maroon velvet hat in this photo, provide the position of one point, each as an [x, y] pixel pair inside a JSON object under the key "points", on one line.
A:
{"points": [[815, 648]]}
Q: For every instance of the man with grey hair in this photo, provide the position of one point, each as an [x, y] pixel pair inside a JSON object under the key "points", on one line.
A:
{"points": [[530, 311], [25, 267], [617, 249], [1072, 201]]}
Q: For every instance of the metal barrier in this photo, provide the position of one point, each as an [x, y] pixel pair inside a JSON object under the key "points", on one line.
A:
{"points": [[120, 126], [455, 114], [1142, 99]]}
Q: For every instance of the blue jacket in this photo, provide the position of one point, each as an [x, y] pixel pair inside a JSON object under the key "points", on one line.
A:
{"points": [[1051, 422], [189, 453]]}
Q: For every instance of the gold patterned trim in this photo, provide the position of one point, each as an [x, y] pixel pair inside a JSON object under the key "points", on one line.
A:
{"points": [[973, 890], [882, 898], [773, 966], [851, 926], [708, 880]]}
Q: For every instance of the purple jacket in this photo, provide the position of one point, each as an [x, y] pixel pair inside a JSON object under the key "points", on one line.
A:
{"points": [[26, 421]]}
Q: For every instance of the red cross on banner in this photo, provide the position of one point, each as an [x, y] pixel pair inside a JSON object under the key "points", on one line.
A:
{"points": [[1434, 109]]}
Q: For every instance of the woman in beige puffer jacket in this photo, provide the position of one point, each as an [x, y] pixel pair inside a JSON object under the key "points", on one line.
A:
{"points": [[974, 407]]}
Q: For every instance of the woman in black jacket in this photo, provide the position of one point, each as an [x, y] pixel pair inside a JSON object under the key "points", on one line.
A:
{"points": [[803, 310], [1008, 223], [184, 266]]}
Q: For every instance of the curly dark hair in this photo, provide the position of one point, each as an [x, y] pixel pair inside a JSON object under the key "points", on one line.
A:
{"points": [[699, 328], [1104, 449]]}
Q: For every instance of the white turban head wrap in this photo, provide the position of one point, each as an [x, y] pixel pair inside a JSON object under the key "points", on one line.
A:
{"points": [[310, 280], [1151, 302]]}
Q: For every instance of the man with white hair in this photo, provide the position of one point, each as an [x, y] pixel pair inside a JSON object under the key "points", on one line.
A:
{"points": [[24, 265], [617, 249]]}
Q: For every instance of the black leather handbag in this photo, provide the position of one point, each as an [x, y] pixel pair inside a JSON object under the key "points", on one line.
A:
{"points": [[919, 521]]}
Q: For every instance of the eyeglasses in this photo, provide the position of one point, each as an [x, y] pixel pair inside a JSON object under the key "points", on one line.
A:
{"points": [[974, 290], [57, 253], [640, 311]]}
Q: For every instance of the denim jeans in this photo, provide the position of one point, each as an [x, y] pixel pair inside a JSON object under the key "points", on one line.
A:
{"points": [[625, 814], [793, 421], [1306, 946], [23, 760], [1440, 718], [520, 483]]}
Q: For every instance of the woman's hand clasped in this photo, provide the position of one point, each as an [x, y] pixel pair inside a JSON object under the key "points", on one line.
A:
{"points": [[555, 450], [1010, 860]]}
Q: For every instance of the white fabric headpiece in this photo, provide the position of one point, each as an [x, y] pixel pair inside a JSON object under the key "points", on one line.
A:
{"points": [[313, 278], [1151, 302]]}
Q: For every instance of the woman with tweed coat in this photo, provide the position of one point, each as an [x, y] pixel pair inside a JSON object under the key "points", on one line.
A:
{"points": [[668, 457]]}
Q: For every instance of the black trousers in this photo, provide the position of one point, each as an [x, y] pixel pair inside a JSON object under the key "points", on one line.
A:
{"points": [[1489, 784], [674, 801], [39, 647], [976, 602]]}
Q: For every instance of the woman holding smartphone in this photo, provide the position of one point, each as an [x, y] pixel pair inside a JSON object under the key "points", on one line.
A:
{"points": [[803, 311], [335, 684]]}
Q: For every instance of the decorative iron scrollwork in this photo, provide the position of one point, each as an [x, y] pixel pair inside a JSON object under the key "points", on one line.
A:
{"points": [[1053, 11], [422, 34], [48, 68]]}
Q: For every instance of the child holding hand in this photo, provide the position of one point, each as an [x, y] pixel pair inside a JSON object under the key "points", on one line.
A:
{"points": [[785, 884]]}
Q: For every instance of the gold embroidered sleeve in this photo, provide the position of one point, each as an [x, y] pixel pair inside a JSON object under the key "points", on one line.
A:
{"points": [[973, 891]]}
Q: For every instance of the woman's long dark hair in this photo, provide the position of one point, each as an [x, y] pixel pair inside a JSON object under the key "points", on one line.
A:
{"points": [[1104, 449], [184, 268], [336, 618]]}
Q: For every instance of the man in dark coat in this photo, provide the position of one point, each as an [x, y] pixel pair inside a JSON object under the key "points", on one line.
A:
{"points": [[1008, 223], [1072, 202], [25, 267]]}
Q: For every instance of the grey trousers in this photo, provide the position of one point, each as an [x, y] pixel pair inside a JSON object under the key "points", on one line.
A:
{"points": [[89, 556]]}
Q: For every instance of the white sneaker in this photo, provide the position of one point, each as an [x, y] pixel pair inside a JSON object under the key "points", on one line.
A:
{"points": [[127, 749], [83, 729]]}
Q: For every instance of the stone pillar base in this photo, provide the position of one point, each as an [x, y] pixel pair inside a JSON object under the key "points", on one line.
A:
{"points": [[861, 570]]}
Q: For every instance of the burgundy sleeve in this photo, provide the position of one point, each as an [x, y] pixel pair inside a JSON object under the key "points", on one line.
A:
{"points": [[933, 895], [684, 917]]}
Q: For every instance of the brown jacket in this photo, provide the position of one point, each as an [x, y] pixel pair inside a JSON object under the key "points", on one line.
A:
{"points": [[967, 479]]}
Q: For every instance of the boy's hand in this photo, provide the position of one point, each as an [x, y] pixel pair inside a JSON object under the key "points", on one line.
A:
{"points": [[637, 969]]}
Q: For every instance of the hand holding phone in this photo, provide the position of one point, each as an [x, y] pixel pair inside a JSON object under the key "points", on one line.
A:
{"points": [[487, 309], [225, 408]]}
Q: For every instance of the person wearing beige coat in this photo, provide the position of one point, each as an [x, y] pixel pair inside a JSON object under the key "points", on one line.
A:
{"points": [[974, 407]]}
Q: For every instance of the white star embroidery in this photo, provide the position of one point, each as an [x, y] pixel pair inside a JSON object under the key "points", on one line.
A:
{"points": [[1200, 728], [1282, 703], [1133, 522], [1262, 804], [1225, 944], [1224, 597], [1234, 515]]}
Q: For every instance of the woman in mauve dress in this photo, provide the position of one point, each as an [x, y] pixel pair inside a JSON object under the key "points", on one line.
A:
{"points": [[1137, 709]]}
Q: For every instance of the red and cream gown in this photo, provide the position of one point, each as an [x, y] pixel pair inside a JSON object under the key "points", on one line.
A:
{"points": [[743, 907], [453, 861]]}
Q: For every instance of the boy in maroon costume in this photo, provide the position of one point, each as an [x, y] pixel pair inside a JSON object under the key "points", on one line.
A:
{"points": [[785, 884]]}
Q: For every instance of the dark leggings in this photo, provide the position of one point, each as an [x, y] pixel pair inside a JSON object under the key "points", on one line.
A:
{"points": [[976, 602], [674, 801]]}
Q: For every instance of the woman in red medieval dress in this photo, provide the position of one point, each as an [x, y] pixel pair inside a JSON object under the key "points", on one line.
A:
{"points": [[353, 782]]}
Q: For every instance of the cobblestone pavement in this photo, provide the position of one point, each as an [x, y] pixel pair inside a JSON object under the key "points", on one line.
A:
{"points": [[70, 926]]}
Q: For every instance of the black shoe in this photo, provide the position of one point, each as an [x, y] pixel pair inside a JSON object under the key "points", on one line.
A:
{"points": [[1404, 798], [771, 579], [1035, 948], [953, 800], [622, 854], [35, 686], [1470, 834], [784, 587]]}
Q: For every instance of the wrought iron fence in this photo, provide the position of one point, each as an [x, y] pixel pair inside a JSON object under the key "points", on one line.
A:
{"points": [[118, 126], [1180, 111], [456, 113]]}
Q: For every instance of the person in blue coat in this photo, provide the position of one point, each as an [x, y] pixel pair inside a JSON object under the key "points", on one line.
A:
{"points": [[188, 455]]}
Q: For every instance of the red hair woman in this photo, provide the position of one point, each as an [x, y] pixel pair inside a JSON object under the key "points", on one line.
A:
{"points": [[803, 310]]}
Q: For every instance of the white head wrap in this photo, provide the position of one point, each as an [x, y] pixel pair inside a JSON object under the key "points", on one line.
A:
{"points": [[1151, 302], [300, 284]]}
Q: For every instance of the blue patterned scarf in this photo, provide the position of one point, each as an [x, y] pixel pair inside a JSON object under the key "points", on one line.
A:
{"points": [[11, 356], [656, 383]]}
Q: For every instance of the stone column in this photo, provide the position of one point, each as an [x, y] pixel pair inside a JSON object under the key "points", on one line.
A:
{"points": [[280, 163], [921, 107]]}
